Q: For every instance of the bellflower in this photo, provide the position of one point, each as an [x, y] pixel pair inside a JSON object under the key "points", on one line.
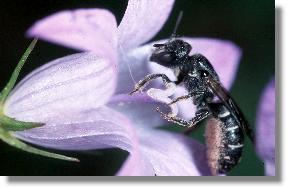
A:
{"points": [[82, 98], [265, 131]]}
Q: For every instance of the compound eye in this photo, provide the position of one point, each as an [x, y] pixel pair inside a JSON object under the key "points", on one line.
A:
{"points": [[166, 57], [162, 56], [204, 73]]}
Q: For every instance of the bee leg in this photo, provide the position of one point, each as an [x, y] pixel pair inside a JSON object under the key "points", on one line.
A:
{"points": [[199, 116], [185, 123], [173, 119], [163, 96], [181, 98], [148, 78], [185, 97]]}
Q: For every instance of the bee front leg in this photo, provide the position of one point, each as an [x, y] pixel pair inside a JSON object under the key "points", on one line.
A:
{"points": [[142, 83]]}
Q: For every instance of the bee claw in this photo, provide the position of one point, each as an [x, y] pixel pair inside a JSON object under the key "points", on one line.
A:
{"points": [[169, 104], [164, 115], [132, 92], [159, 111], [136, 89]]}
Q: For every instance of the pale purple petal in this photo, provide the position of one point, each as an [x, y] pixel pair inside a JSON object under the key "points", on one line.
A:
{"points": [[91, 129], [265, 128], [136, 165], [133, 66], [139, 108], [142, 20], [223, 55], [82, 29], [73, 83], [171, 154]]}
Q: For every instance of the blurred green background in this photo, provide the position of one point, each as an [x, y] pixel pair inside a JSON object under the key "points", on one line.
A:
{"points": [[248, 23]]}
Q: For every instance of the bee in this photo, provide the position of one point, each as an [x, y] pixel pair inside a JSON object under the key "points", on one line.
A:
{"points": [[226, 124], [225, 128]]}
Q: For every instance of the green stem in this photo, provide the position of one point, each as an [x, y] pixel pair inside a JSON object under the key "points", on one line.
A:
{"points": [[16, 72]]}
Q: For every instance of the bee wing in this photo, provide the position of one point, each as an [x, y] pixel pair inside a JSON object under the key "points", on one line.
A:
{"points": [[219, 90]]}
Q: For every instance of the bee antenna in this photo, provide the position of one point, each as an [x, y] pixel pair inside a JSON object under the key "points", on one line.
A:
{"points": [[173, 35]]}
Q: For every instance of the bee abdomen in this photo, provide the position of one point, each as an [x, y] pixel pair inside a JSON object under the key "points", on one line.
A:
{"points": [[224, 140], [233, 144]]}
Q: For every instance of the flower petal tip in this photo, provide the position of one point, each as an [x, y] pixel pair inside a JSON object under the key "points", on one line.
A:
{"points": [[142, 20], [82, 29], [266, 128]]}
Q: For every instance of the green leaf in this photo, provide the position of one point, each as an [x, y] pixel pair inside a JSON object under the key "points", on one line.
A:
{"points": [[11, 124], [5, 92], [11, 140]]}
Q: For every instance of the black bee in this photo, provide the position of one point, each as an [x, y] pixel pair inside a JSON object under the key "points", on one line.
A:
{"points": [[225, 128]]}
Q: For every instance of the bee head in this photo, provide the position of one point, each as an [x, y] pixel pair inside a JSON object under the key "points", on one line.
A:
{"points": [[171, 53]]}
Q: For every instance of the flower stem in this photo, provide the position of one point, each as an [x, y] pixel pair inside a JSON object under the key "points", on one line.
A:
{"points": [[15, 74], [7, 123]]}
